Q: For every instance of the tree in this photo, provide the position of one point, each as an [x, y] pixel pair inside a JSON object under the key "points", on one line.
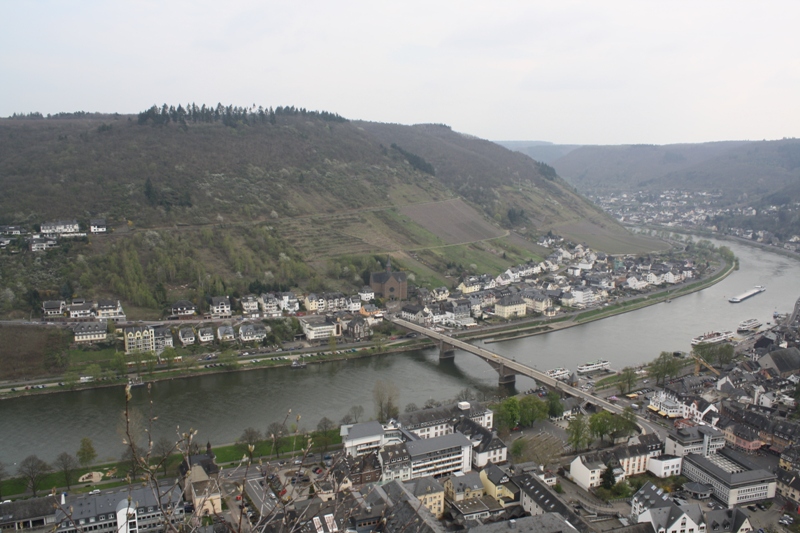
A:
{"points": [[626, 423], [250, 438], [332, 342], [324, 427], [601, 424], [150, 361], [578, 433], [518, 448], [162, 449], [725, 354], [3, 476], [431, 403], [93, 371], [554, 406], [347, 419], [131, 459], [385, 396], [465, 395], [664, 365], [411, 407], [66, 464], [169, 355], [507, 414], [275, 431], [33, 470], [608, 479], [627, 380], [531, 409], [356, 412], [86, 454], [228, 360], [118, 364]]}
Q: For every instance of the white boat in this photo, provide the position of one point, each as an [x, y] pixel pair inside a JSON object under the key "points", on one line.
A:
{"points": [[558, 373], [750, 324], [752, 292], [594, 366], [713, 337]]}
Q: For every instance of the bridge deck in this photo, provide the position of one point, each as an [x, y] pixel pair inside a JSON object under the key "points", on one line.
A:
{"points": [[510, 364]]}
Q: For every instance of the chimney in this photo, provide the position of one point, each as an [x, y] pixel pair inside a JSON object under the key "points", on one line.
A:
{"points": [[63, 498], [512, 524]]}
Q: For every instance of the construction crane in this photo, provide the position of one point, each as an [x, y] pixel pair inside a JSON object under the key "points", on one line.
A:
{"points": [[700, 361]]}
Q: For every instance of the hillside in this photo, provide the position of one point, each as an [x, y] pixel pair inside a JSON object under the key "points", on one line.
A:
{"points": [[732, 168], [539, 150], [238, 205]]}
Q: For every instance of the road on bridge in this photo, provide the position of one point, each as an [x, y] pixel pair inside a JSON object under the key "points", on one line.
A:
{"points": [[518, 368]]}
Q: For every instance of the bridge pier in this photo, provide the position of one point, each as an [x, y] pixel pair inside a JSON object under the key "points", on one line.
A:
{"points": [[507, 380], [446, 351], [507, 377]]}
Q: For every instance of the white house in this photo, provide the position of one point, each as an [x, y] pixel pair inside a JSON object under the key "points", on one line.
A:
{"points": [[665, 465], [587, 471], [220, 307]]}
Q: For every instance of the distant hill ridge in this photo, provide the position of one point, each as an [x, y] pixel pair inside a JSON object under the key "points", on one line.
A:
{"points": [[204, 164], [229, 200], [756, 168]]}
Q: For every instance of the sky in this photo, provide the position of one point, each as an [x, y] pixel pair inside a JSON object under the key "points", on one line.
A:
{"points": [[610, 72]]}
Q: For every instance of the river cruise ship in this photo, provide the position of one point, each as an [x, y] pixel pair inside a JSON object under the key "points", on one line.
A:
{"points": [[752, 292], [558, 373], [751, 324], [594, 366], [713, 337]]}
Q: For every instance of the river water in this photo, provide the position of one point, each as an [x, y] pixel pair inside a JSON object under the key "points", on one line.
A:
{"points": [[220, 406]]}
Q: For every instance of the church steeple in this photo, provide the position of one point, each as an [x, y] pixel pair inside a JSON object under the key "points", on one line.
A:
{"points": [[389, 264]]}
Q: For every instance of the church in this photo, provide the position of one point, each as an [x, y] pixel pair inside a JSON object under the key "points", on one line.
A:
{"points": [[388, 284]]}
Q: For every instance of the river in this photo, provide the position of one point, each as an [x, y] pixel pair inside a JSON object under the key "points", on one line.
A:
{"points": [[220, 406]]}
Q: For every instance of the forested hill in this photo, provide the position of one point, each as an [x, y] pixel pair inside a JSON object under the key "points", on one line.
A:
{"points": [[209, 164], [732, 168], [221, 200]]}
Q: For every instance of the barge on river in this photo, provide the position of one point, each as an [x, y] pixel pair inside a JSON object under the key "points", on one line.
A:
{"points": [[752, 292]]}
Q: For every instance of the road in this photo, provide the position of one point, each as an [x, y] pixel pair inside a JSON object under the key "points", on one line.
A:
{"points": [[520, 368]]}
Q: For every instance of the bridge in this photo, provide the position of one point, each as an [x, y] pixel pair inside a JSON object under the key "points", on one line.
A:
{"points": [[507, 368]]}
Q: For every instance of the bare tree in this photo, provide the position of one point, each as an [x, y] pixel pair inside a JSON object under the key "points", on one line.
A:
{"points": [[465, 395], [324, 428], [66, 464], [3, 476], [385, 396], [411, 407], [275, 431], [430, 403], [162, 449], [33, 470], [346, 420], [356, 412], [249, 439]]}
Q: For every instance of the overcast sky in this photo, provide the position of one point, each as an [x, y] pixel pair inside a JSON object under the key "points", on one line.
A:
{"points": [[594, 72]]}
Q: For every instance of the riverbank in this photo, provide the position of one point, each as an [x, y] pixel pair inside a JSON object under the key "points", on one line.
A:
{"points": [[580, 318], [289, 447], [169, 375], [495, 333]]}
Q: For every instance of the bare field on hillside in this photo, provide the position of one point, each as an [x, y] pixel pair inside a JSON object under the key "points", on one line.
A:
{"points": [[521, 242], [612, 241], [453, 221], [30, 351]]}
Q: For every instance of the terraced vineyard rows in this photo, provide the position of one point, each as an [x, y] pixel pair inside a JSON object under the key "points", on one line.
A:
{"points": [[324, 236]]}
